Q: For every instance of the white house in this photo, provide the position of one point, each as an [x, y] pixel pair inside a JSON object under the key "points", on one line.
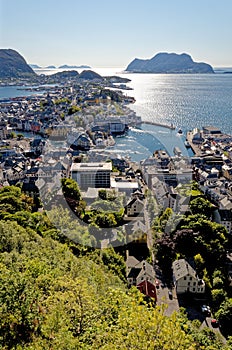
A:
{"points": [[186, 279]]}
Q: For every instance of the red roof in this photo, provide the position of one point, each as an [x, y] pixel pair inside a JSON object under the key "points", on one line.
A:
{"points": [[148, 289]]}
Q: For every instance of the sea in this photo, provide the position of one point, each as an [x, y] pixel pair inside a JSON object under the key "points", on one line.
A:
{"points": [[185, 100]]}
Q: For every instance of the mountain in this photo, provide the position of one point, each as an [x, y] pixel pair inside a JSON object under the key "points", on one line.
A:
{"points": [[34, 66], [51, 67], [90, 75], [13, 65], [168, 63], [65, 66]]}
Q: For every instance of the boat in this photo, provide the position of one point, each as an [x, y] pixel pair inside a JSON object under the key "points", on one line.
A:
{"points": [[180, 132]]}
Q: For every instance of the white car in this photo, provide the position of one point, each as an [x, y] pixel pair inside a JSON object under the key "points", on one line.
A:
{"points": [[205, 309]]}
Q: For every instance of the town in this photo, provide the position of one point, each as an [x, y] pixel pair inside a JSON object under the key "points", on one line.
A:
{"points": [[67, 133]]}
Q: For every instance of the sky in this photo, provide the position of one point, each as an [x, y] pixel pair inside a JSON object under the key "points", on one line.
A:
{"points": [[107, 33]]}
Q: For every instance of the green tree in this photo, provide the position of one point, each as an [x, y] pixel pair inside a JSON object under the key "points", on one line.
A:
{"points": [[224, 315], [201, 206]]}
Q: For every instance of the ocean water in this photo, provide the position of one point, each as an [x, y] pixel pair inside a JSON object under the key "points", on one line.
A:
{"points": [[187, 101], [15, 91]]}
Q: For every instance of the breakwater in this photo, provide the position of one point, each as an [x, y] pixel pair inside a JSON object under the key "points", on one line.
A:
{"points": [[171, 127]]}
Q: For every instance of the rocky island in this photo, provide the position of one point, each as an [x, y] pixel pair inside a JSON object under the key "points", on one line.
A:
{"points": [[169, 63], [66, 66]]}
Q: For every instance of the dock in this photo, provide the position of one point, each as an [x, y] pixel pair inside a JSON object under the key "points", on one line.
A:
{"points": [[196, 148], [171, 127]]}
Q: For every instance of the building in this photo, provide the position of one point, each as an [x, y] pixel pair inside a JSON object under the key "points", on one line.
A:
{"points": [[135, 207], [96, 175], [142, 275], [186, 279]]}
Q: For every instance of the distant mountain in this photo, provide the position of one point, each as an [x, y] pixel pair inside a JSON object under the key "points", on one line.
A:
{"points": [[13, 65], [90, 75], [65, 66], [168, 63], [51, 67], [34, 66]]}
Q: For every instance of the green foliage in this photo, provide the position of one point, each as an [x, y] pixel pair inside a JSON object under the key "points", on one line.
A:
{"points": [[210, 239], [200, 264], [201, 206], [13, 200], [73, 109], [51, 299], [160, 223], [218, 297], [70, 189], [62, 101], [224, 315]]}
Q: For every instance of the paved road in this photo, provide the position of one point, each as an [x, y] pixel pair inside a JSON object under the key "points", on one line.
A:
{"points": [[163, 298]]}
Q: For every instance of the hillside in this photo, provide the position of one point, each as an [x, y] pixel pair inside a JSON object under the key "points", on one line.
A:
{"points": [[168, 63], [13, 65], [55, 294]]}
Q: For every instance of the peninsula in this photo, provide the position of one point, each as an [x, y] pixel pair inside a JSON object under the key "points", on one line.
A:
{"points": [[169, 63]]}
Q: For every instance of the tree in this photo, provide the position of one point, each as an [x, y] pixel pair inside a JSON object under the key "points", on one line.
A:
{"points": [[200, 264], [224, 316], [201, 206], [70, 189], [185, 242], [165, 254]]}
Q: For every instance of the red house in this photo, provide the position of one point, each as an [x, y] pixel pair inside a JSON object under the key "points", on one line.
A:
{"points": [[142, 275]]}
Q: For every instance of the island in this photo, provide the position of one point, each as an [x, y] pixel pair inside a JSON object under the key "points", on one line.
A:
{"points": [[66, 66], [169, 63]]}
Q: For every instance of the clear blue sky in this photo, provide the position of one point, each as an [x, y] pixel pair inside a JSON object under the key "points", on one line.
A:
{"points": [[108, 33]]}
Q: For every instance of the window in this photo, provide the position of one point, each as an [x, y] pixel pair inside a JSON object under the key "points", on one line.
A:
{"points": [[185, 278], [190, 278], [188, 283], [194, 289], [194, 283]]}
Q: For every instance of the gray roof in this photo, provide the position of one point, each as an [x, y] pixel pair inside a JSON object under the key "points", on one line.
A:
{"points": [[182, 268]]}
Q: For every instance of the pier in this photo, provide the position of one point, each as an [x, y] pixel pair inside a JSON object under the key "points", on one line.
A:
{"points": [[171, 127]]}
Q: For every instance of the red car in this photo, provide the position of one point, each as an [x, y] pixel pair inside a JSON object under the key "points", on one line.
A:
{"points": [[214, 323]]}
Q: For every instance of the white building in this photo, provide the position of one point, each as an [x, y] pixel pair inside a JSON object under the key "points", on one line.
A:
{"points": [[96, 175], [186, 279]]}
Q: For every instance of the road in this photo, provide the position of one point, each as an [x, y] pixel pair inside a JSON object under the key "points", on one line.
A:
{"points": [[163, 298]]}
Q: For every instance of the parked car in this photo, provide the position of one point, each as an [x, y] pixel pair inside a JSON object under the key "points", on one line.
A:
{"points": [[214, 323], [205, 309]]}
